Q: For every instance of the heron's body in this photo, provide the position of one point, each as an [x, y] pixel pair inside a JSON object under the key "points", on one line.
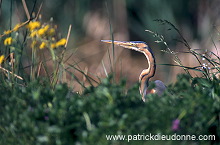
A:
{"points": [[147, 73]]}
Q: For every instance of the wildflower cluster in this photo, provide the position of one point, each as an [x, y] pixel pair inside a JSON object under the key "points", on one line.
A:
{"points": [[39, 36], [43, 36]]}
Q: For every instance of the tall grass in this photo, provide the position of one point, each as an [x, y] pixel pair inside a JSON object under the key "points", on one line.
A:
{"points": [[211, 61]]}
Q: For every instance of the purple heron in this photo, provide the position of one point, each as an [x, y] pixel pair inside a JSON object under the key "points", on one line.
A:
{"points": [[147, 73]]}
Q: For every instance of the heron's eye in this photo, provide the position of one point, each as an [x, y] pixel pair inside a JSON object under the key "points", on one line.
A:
{"points": [[135, 45]]}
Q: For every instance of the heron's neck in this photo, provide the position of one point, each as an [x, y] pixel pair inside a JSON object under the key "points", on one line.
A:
{"points": [[149, 72]]}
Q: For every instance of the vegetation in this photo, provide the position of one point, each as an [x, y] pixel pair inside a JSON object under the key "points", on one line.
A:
{"points": [[37, 114]]}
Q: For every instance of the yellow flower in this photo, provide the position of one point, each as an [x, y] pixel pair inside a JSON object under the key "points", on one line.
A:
{"points": [[17, 26], [42, 45], [53, 45], [33, 25], [33, 34], [61, 42], [43, 30], [8, 41], [7, 32], [2, 57], [46, 27]]}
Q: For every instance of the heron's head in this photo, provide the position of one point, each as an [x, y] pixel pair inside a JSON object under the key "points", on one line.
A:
{"points": [[139, 46]]}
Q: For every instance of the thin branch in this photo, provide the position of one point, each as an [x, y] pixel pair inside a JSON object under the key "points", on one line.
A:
{"points": [[68, 35], [26, 9], [17, 76]]}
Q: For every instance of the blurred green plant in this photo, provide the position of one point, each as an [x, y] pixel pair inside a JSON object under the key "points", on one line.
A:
{"points": [[35, 114]]}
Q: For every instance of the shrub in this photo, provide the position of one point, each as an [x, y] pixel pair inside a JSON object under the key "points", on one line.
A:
{"points": [[38, 114]]}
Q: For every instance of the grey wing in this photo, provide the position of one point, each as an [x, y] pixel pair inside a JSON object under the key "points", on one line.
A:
{"points": [[160, 87]]}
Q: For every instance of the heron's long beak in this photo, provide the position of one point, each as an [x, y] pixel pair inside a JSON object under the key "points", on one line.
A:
{"points": [[125, 44]]}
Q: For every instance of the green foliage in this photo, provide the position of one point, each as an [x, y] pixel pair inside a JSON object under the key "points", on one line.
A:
{"points": [[39, 114]]}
